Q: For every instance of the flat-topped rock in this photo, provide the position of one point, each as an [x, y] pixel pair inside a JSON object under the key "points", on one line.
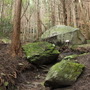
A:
{"points": [[62, 33]]}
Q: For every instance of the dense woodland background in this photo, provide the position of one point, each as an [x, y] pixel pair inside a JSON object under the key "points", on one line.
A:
{"points": [[24, 64], [39, 15]]}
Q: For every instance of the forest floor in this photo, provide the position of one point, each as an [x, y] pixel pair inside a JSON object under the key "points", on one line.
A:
{"points": [[10, 66], [28, 77]]}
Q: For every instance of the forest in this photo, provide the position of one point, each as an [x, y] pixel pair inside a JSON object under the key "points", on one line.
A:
{"points": [[44, 44]]}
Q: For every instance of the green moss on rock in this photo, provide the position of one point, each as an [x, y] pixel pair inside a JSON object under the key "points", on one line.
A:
{"points": [[60, 33], [71, 57], [5, 40], [40, 52], [85, 46], [63, 73]]}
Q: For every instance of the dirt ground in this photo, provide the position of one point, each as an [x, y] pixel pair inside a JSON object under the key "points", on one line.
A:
{"points": [[33, 80], [10, 67], [28, 77]]}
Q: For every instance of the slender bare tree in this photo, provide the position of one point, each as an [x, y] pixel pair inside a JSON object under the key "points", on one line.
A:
{"points": [[39, 26], [64, 11], [53, 18], [15, 44]]}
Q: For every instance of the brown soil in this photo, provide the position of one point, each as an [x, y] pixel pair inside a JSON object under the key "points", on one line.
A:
{"points": [[83, 82], [25, 76], [10, 67], [33, 80]]}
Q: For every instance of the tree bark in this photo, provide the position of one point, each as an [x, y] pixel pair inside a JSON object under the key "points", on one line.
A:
{"points": [[64, 11], [53, 18], [16, 44], [84, 20], [39, 26], [74, 13]]}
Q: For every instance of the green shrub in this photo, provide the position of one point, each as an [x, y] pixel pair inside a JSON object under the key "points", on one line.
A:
{"points": [[5, 27]]}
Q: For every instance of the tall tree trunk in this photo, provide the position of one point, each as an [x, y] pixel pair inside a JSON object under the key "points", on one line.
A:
{"points": [[53, 18], [64, 11], [2, 14], [2, 10], [59, 12], [74, 13], [15, 44], [39, 26], [84, 20]]}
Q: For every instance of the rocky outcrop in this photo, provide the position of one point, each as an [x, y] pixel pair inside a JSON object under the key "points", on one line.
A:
{"points": [[63, 73], [61, 34], [40, 53]]}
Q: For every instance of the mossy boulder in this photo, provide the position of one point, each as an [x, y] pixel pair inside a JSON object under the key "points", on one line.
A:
{"points": [[88, 41], [5, 40], [84, 46], [60, 34], [40, 53], [63, 73], [67, 55]]}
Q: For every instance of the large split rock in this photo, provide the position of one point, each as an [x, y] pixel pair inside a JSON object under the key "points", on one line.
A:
{"points": [[63, 73], [41, 52], [61, 33]]}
